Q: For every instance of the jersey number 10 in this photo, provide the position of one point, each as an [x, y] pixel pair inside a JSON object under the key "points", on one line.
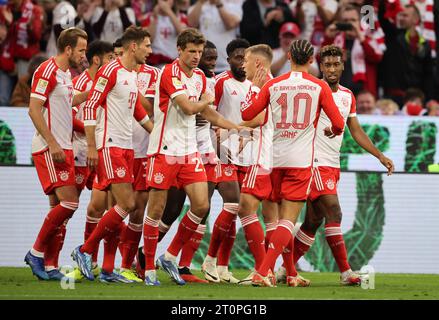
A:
{"points": [[283, 102]]}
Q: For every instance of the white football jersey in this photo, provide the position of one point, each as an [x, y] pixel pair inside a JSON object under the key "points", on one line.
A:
{"points": [[327, 151], [204, 133]]}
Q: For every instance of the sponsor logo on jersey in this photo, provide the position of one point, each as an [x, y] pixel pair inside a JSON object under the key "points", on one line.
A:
{"points": [[121, 172], [64, 175], [79, 178], [330, 184], [158, 178], [177, 83], [42, 86], [101, 84]]}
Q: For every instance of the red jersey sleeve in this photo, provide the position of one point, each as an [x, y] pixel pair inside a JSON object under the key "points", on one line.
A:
{"points": [[330, 108], [184, 20], [170, 82], [44, 81], [139, 113], [256, 103], [353, 111], [103, 83], [219, 91], [150, 92]]}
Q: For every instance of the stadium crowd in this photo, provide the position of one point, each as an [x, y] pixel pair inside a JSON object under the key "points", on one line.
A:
{"points": [[390, 51]]}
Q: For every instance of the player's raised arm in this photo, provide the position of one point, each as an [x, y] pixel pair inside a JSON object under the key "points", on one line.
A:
{"points": [[250, 109], [330, 108]]}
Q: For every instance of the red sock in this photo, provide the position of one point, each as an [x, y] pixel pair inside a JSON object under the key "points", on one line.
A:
{"points": [[150, 240], [90, 225], [334, 237], [225, 249], [132, 235], [52, 222], [288, 257], [222, 227], [279, 241], [111, 242], [122, 238], [109, 223], [255, 238], [270, 227], [302, 242], [186, 229], [51, 255], [163, 230], [189, 249]]}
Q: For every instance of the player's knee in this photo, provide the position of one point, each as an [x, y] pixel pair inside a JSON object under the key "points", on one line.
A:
{"points": [[200, 209], [129, 205], [334, 214], [155, 210]]}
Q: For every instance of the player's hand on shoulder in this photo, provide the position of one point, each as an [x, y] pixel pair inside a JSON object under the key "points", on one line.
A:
{"points": [[388, 163], [57, 152]]}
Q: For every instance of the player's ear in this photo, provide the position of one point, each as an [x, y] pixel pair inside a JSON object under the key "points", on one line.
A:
{"points": [[179, 50], [311, 60]]}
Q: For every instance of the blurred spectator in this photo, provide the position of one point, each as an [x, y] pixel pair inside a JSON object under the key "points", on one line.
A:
{"points": [[433, 108], [314, 16], [21, 95], [164, 24], [287, 34], [366, 103], [262, 19], [363, 49], [407, 61], [414, 103], [141, 8], [387, 107], [24, 23], [184, 5], [218, 20], [65, 16], [110, 21]]}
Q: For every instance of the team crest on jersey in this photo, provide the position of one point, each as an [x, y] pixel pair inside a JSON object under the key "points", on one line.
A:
{"points": [[121, 172], [198, 86], [228, 171], [177, 83], [101, 84], [64, 175], [158, 178], [42, 86], [345, 102], [79, 178], [330, 184]]}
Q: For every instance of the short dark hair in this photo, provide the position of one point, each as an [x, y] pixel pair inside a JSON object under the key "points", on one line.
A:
{"points": [[209, 45], [263, 50], [35, 62], [301, 51], [413, 93], [69, 37], [236, 44], [98, 48], [134, 34], [117, 43], [190, 35], [331, 51], [415, 7]]}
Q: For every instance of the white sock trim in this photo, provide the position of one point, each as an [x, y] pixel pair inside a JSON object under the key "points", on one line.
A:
{"points": [[37, 253], [231, 207], [193, 217]]}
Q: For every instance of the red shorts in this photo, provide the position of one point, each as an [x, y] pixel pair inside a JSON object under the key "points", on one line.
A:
{"points": [[257, 182], [83, 177], [241, 172], [52, 174], [227, 173], [290, 184], [139, 170], [115, 165], [165, 171], [212, 166], [325, 180]]}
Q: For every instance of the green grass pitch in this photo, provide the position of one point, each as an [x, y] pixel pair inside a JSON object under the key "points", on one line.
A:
{"points": [[18, 283]]}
